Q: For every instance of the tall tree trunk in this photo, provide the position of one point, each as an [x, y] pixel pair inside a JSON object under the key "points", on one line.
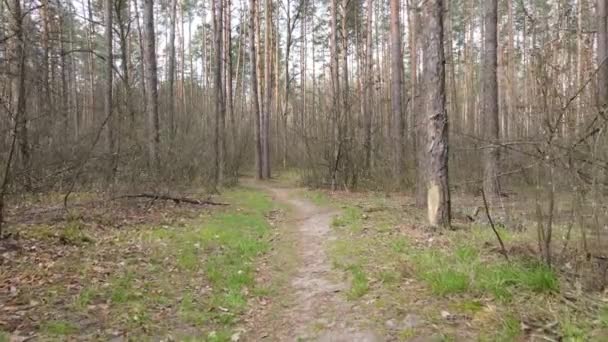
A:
{"points": [[65, 95], [287, 81], [490, 100], [109, 81], [344, 123], [89, 116], [368, 86], [438, 193], [142, 53], [18, 69], [418, 134], [511, 72], [396, 91], [333, 46], [602, 53], [228, 81], [254, 88], [171, 66], [218, 144], [122, 15], [303, 56], [152, 86], [266, 114], [46, 100]]}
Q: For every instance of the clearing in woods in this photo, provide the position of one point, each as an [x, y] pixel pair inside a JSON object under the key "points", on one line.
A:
{"points": [[279, 263]]}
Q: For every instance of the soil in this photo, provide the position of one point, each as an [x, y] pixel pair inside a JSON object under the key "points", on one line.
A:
{"points": [[318, 309]]}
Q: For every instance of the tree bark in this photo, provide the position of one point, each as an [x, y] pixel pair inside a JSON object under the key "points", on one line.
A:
{"points": [[17, 58], [254, 88], [368, 86], [333, 50], [396, 91], [416, 107], [152, 86], [171, 66], [109, 81], [602, 53], [266, 114], [218, 92], [229, 112], [490, 100], [438, 193]]}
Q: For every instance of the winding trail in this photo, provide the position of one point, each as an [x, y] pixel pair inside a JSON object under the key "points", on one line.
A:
{"points": [[318, 309]]}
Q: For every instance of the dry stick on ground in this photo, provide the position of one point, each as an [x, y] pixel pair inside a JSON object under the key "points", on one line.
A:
{"points": [[177, 200], [503, 250]]}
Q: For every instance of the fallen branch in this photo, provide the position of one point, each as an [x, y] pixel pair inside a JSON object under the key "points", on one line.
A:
{"points": [[177, 200], [503, 250]]}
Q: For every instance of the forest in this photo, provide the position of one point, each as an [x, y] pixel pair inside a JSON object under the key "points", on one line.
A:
{"points": [[303, 170]]}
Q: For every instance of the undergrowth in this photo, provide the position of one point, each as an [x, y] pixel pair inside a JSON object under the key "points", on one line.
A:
{"points": [[191, 280], [397, 267]]}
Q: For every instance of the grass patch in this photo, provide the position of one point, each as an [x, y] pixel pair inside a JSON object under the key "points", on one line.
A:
{"points": [[84, 298], [359, 283], [350, 218], [203, 267], [59, 328], [510, 330], [317, 197], [121, 289], [224, 248], [449, 270], [463, 270]]}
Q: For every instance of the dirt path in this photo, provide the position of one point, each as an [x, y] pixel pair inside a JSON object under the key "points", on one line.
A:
{"points": [[317, 309]]}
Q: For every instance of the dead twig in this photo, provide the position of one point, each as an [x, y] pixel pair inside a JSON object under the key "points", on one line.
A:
{"points": [[176, 200], [503, 250]]}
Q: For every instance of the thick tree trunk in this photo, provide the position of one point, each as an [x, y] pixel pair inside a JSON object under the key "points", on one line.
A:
{"points": [[602, 53], [438, 193], [287, 82], [368, 86], [90, 113], [266, 114], [418, 134], [65, 95], [344, 123], [396, 91], [218, 144], [109, 10], [17, 66], [229, 112], [335, 86], [254, 88], [511, 91], [142, 63], [490, 100], [151, 83], [171, 67]]}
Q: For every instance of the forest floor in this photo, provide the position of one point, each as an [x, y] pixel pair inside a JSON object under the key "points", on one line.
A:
{"points": [[279, 263]]}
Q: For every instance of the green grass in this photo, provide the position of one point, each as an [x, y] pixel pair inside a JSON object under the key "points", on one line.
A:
{"points": [[59, 328], [204, 268], [359, 283], [350, 218], [121, 289], [463, 270], [457, 271], [510, 330], [224, 248], [317, 197], [84, 298], [4, 336]]}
